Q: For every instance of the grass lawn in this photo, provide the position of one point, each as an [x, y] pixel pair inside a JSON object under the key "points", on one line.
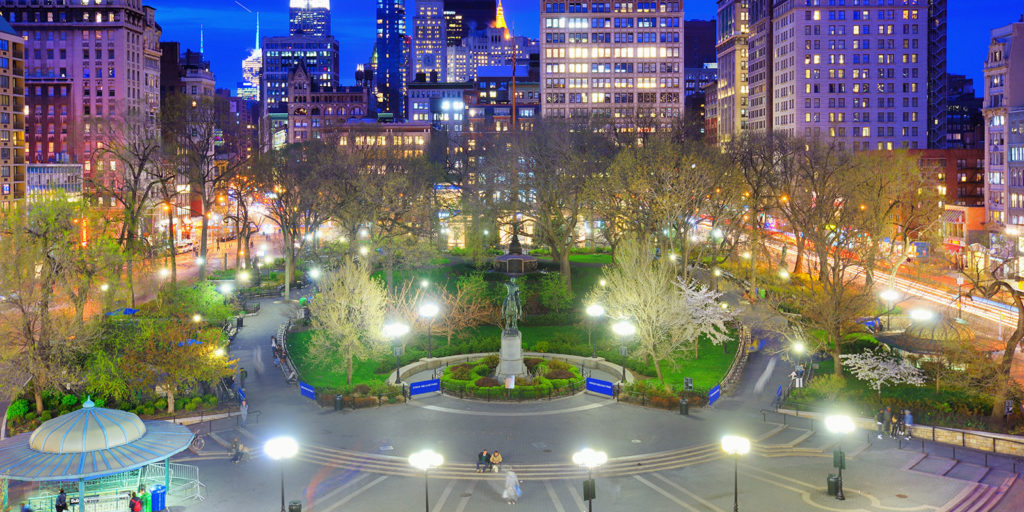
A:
{"points": [[362, 371], [222, 274], [602, 258], [706, 371]]}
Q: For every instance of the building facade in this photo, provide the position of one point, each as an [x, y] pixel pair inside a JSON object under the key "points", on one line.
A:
{"points": [[85, 65], [309, 18], [390, 70], [964, 121], [475, 14], [318, 113], [430, 41], [621, 61], [12, 117], [1004, 113], [733, 109], [46, 180], [282, 55]]}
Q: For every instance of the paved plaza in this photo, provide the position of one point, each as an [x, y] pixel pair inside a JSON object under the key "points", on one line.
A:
{"points": [[355, 460]]}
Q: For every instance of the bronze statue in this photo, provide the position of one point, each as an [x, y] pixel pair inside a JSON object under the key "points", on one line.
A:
{"points": [[512, 307]]}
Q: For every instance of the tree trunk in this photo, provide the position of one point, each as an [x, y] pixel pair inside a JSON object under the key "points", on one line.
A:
{"points": [[38, 395], [801, 243], [238, 248], [171, 248], [686, 254], [170, 402], [287, 264], [657, 370], [80, 300], [348, 361], [565, 269], [1006, 365], [130, 275], [753, 267], [202, 244]]}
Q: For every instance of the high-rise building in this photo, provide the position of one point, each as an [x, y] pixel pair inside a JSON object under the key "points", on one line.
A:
{"points": [[391, 70], [1004, 126], [309, 18], [430, 40], [964, 121], [284, 54], [455, 30], [861, 74], [603, 64], [184, 73], [699, 42], [85, 65], [317, 113], [252, 66], [476, 14], [733, 16], [12, 117]]}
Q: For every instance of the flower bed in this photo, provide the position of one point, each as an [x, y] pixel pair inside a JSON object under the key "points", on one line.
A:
{"points": [[547, 378], [361, 396]]}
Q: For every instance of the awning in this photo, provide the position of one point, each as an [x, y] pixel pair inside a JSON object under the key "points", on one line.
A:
{"points": [[953, 216]]}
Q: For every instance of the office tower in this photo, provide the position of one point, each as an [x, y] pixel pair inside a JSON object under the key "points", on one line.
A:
{"points": [[430, 41], [936, 93], [309, 18], [317, 112], [731, 48], [699, 41], [12, 117], [1004, 126], [476, 14], [85, 66], [603, 64], [455, 30], [283, 54], [964, 121], [760, 51], [391, 70], [184, 73], [252, 66]]}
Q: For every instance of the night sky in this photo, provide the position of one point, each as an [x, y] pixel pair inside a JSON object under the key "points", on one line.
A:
{"points": [[230, 30]]}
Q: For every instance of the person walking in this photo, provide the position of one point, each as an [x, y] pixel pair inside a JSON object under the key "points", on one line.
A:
{"points": [[25, 507], [908, 421], [886, 420], [241, 377], [879, 421], [61, 504], [147, 503], [511, 492], [495, 461], [482, 460], [135, 504], [244, 410]]}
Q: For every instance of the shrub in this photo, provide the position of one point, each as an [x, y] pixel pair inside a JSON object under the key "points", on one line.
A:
{"points": [[68, 400], [532, 362], [491, 361], [486, 382], [462, 371], [554, 364], [481, 369], [160, 403], [365, 401], [29, 416], [553, 293], [827, 387], [45, 415], [553, 374], [361, 389], [542, 346], [190, 406], [18, 409], [212, 401], [149, 410], [99, 402]]}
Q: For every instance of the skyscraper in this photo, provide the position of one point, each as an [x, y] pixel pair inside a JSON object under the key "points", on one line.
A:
{"points": [[614, 62], [733, 110], [252, 66], [391, 71], [455, 30], [310, 18], [429, 44], [12, 117], [476, 14], [283, 54], [1004, 126]]}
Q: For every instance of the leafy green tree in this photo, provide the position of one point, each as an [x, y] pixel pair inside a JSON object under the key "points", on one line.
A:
{"points": [[554, 294], [348, 317]]}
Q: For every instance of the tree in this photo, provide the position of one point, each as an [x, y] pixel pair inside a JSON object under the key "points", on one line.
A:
{"points": [[880, 367], [132, 155], [670, 314], [97, 256], [38, 251], [469, 306], [180, 354], [348, 317]]}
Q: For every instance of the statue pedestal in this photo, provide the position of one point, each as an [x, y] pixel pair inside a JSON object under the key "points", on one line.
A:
{"points": [[510, 359]]}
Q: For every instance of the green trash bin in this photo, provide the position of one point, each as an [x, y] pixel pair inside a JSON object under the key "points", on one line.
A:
{"points": [[295, 506], [684, 407], [833, 484]]}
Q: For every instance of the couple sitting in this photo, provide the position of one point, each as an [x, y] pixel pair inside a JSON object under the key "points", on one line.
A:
{"points": [[488, 461]]}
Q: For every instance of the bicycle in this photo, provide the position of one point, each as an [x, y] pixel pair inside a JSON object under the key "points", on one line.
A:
{"points": [[198, 441]]}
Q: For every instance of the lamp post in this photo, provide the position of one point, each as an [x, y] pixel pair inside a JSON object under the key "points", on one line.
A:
{"points": [[624, 329], [842, 425], [281, 448], [589, 459], [889, 296], [735, 446], [394, 332], [426, 460], [593, 311], [429, 311]]}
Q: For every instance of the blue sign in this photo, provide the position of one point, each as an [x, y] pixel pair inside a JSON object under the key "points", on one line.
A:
{"points": [[424, 386], [714, 394], [601, 387], [778, 392], [307, 391]]}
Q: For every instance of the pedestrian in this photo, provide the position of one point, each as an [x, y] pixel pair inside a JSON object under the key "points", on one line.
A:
{"points": [[908, 421], [879, 421], [495, 461], [244, 410], [147, 504], [894, 425], [241, 377], [482, 460], [886, 419], [25, 507], [62, 501], [511, 492], [273, 343], [135, 504]]}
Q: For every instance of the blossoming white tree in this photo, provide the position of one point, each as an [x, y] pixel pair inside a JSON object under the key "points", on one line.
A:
{"points": [[879, 367]]}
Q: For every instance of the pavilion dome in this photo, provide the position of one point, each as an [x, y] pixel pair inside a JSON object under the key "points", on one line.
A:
{"points": [[932, 337], [87, 429]]}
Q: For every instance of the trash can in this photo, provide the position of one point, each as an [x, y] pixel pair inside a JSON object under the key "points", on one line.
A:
{"points": [[295, 506], [684, 407], [339, 402], [238, 322], [158, 497], [833, 484]]}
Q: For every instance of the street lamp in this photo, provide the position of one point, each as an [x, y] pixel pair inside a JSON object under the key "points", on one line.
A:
{"points": [[104, 287], [921, 315], [889, 296], [426, 460], [593, 311], [314, 273], [281, 448], [429, 311], [197, 318], [603, 283], [735, 445], [624, 329], [394, 332], [842, 425], [424, 283], [589, 459]]}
